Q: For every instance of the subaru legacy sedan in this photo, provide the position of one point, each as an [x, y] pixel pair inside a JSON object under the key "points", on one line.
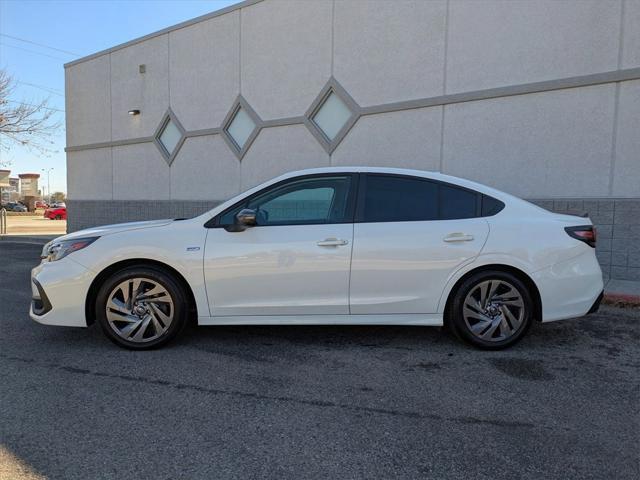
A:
{"points": [[329, 246]]}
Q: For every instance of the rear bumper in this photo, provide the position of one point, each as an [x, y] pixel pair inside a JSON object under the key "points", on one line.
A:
{"points": [[571, 288], [596, 305]]}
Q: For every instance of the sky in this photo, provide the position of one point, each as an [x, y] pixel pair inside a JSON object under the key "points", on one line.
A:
{"points": [[62, 31]]}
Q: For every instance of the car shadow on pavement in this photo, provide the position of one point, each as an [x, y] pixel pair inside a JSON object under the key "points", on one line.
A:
{"points": [[336, 337]]}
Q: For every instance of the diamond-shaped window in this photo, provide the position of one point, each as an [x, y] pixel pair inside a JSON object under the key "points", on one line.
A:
{"points": [[240, 127], [169, 137], [331, 115]]}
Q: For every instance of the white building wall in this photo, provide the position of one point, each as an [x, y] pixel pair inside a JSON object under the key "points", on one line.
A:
{"points": [[492, 43], [389, 51], [204, 70], [420, 73], [285, 55]]}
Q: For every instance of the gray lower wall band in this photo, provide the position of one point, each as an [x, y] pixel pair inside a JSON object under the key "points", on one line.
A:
{"points": [[617, 222]]}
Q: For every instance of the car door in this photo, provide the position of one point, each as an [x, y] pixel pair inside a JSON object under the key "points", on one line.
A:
{"points": [[295, 261], [410, 235]]}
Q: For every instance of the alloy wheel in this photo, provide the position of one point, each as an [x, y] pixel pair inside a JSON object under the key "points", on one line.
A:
{"points": [[139, 310], [494, 310]]}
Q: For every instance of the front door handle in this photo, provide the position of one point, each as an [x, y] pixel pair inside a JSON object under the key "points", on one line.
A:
{"points": [[332, 242], [458, 237]]}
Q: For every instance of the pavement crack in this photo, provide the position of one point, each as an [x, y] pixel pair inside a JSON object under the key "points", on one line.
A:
{"points": [[277, 398]]}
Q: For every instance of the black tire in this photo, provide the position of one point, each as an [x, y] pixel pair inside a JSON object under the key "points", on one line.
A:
{"points": [[460, 327], [175, 290], [58, 217]]}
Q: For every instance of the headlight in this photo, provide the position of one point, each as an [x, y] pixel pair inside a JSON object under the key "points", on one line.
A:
{"points": [[56, 250]]}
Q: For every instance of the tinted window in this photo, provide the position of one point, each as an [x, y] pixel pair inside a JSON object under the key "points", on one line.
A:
{"points": [[457, 203], [399, 199], [299, 202], [490, 206]]}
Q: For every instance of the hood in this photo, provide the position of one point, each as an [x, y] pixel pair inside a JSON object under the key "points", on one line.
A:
{"points": [[116, 228]]}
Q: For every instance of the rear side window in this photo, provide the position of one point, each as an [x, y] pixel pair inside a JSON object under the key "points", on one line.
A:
{"points": [[457, 203], [399, 199], [390, 198], [491, 206]]}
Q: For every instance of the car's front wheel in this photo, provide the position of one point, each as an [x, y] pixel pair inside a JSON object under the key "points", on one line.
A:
{"points": [[141, 307], [491, 310]]}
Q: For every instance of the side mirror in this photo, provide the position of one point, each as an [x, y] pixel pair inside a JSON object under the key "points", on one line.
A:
{"points": [[244, 219]]}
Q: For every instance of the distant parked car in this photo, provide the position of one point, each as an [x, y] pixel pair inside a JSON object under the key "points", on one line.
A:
{"points": [[58, 205], [56, 213], [41, 204], [14, 207]]}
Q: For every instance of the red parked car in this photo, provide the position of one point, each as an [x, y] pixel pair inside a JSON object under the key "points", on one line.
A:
{"points": [[56, 213]]}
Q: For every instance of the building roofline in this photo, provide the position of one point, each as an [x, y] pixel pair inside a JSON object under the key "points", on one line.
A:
{"points": [[187, 23], [28, 175]]}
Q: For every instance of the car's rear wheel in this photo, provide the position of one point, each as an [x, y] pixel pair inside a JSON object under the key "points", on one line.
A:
{"points": [[58, 217], [141, 308], [491, 310]]}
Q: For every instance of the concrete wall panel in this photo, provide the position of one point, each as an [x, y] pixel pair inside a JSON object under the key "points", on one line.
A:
{"points": [[501, 42], [88, 102], [205, 71], [89, 174], [148, 92], [631, 39], [286, 55], [279, 150], [626, 178], [205, 169], [389, 51], [409, 139], [140, 173], [555, 144]]}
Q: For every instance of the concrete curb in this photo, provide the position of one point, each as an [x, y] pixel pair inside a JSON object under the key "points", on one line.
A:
{"points": [[622, 293], [621, 300]]}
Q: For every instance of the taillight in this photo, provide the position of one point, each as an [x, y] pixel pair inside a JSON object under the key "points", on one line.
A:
{"points": [[584, 233]]}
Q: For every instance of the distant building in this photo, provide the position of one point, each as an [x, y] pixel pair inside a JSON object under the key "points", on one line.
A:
{"points": [[29, 184], [4, 178], [9, 187], [4, 184], [12, 192]]}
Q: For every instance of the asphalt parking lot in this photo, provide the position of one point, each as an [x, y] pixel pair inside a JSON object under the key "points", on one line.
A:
{"points": [[315, 402]]}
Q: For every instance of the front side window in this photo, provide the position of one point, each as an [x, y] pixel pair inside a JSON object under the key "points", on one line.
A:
{"points": [[307, 201]]}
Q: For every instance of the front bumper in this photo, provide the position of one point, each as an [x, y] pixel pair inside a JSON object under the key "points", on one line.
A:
{"points": [[59, 290], [40, 304]]}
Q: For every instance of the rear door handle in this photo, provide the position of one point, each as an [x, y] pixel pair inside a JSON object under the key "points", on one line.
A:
{"points": [[458, 237], [332, 242]]}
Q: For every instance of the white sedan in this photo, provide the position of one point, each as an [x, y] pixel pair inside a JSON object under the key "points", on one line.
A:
{"points": [[324, 247]]}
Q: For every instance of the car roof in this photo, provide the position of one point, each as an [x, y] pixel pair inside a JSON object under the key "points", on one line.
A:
{"points": [[433, 175], [513, 201]]}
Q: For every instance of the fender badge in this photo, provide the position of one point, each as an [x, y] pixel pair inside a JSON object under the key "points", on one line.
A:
{"points": [[193, 249]]}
